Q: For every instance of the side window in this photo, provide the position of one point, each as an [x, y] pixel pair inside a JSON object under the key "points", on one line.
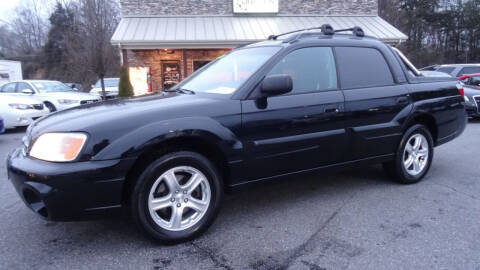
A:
{"points": [[362, 67], [312, 69], [447, 70], [8, 88], [469, 70], [23, 85]]}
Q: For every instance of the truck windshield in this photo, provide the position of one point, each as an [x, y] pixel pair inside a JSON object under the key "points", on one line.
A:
{"points": [[226, 74]]}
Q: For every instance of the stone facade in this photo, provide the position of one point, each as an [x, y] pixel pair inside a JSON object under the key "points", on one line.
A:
{"points": [[155, 58], [225, 7]]}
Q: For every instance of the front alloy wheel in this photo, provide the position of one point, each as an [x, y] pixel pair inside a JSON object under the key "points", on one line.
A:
{"points": [[177, 197]]}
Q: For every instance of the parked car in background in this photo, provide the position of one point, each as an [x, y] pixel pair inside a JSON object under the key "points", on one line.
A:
{"points": [[438, 74], [471, 87], [20, 111], [456, 70], [472, 80], [2, 125], [472, 101], [310, 102], [75, 86], [55, 95], [111, 88]]}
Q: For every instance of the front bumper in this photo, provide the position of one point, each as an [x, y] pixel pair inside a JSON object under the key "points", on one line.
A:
{"points": [[69, 191], [23, 118]]}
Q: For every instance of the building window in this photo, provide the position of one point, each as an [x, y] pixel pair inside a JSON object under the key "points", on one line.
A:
{"points": [[199, 64]]}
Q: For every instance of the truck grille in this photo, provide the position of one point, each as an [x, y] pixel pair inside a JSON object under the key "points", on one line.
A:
{"points": [[38, 106]]}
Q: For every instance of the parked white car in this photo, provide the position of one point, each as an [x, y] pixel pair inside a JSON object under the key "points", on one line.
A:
{"points": [[55, 95], [21, 111], [111, 87]]}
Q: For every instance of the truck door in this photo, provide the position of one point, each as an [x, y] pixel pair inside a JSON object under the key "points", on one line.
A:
{"points": [[299, 130], [375, 105]]}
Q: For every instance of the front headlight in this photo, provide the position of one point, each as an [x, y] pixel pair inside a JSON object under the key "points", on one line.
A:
{"points": [[58, 147], [67, 101], [19, 106]]}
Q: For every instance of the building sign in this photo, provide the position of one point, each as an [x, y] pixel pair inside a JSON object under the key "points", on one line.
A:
{"points": [[140, 80], [255, 6]]}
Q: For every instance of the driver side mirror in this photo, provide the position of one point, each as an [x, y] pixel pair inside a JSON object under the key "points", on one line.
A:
{"points": [[27, 91], [275, 85]]}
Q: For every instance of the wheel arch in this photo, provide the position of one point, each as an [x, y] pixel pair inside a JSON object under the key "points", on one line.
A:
{"points": [[196, 144], [428, 121]]}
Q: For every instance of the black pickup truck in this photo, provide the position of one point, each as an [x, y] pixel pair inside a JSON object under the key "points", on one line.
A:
{"points": [[307, 102]]}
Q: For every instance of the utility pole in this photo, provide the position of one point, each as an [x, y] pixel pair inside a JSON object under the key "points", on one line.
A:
{"points": [[104, 95]]}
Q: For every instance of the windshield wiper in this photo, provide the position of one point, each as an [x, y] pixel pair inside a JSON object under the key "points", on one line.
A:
{"points": [[181, 90]]}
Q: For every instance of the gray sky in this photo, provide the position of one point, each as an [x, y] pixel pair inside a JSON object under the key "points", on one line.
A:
{"points": [[6, 8]]}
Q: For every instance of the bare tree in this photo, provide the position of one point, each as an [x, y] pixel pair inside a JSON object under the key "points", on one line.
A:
{"points": [[23, 37], [90, 48]]}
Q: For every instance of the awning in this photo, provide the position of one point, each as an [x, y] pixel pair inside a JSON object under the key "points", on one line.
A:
{"points": [[229, 31]]}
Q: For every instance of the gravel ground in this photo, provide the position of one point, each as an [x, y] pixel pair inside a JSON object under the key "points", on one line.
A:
{"points": [[356, 219]]}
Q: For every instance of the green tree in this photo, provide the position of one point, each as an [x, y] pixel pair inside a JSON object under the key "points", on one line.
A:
{"points": [[56, 56], [125, 88]]}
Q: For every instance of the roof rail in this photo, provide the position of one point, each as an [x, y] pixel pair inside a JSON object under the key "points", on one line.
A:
{"points": [[325, 29], [357, 31]]}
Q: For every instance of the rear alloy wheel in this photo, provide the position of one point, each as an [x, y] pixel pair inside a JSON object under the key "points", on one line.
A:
{"points": [[414, 156], [177, 197]]}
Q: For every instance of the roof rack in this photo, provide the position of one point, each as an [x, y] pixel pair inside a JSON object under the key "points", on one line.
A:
{"points": [[325, 29]]}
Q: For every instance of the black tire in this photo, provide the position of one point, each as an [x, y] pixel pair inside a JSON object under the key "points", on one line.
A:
{"points": [[396, 168], [50, 106], [140, 196]]}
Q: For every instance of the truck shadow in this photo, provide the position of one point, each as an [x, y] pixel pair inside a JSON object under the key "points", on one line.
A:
{"points": [[239, 207]]}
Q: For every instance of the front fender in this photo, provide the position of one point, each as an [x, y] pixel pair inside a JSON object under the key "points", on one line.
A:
{"points": [[135, 142]]}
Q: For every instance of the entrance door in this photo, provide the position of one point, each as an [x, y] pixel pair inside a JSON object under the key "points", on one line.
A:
{"points": [[299, 130], [170, 74]]}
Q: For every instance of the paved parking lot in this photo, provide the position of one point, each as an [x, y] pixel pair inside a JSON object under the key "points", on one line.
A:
{"points": [[356, 219]]}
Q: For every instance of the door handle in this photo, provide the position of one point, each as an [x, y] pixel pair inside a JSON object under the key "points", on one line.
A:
{"points": [[332, 110]]}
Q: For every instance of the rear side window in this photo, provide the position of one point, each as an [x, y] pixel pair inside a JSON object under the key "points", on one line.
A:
{"points": [[447, 70], [468, 70], [8, 88], [312, 69], [362, 67]]}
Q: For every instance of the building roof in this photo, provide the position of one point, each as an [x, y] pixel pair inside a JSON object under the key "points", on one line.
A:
{"points": [[228, 31]]}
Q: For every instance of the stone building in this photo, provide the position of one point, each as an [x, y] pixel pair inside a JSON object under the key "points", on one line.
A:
{"points": [[170, 39]]}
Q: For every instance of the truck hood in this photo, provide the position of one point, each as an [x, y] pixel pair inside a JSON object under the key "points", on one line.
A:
{"points": [[112, 118]]}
